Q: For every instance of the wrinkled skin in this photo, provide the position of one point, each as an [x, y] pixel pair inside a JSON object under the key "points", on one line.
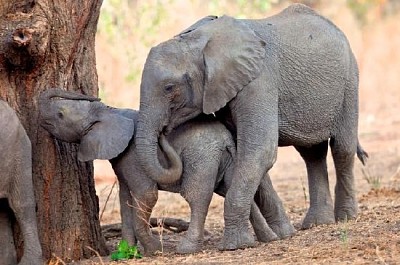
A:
{"points": [[204, 146], [17, 188], [290, 79]]}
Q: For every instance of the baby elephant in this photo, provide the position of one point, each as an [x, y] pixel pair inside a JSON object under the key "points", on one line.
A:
{"points": [[17, 188], [200, 153]]}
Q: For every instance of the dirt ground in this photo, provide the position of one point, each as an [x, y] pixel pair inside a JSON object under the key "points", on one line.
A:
{"points": [[373, 238]]}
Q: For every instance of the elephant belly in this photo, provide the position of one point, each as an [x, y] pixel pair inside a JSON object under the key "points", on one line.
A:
{"points": [[289, 136]]}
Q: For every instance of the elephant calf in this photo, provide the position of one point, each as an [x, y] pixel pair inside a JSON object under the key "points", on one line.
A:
{"points": [[16, 187], [203, 150]]}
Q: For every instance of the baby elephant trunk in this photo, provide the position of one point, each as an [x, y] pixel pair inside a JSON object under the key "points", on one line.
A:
{"points": [[59, 93]]}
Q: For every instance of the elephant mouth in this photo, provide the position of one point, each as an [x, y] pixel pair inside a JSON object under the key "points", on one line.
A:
{"points": [[166, 130], [88, 129], [47, 125]]}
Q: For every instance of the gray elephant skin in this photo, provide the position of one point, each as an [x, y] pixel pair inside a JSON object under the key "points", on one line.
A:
{"points": [[287, 80], [203, 150], [16, 190]]}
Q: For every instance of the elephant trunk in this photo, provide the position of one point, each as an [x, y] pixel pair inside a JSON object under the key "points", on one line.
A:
{"points": [[146, 141], [56, 92]]}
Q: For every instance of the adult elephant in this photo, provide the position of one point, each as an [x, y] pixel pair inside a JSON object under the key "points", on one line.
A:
{"points": [[290, 79]]}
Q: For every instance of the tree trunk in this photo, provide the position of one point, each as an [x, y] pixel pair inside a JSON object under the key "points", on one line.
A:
{"points": [[43, 44]]}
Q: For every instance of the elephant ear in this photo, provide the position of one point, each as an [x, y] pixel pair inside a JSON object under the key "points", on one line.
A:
{"points": [[197, 24], [107, 138], [234, 56]]}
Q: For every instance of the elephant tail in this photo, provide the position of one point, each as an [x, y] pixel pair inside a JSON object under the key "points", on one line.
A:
{"points": [[361, 154]]}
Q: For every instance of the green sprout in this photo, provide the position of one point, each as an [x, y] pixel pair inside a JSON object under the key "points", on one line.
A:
{"points": [[124, 251]]}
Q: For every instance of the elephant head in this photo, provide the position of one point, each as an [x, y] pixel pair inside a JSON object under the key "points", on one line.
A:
{"points": [[198, 71], [102, 132]]}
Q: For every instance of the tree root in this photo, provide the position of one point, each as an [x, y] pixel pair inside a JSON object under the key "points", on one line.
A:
{"points": [[171, 224]]}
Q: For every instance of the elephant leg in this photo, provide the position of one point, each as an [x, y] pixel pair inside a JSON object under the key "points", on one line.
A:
{"points": [[257, 143], [7, 250], [22, 201], [345, 198], [143, 202], [262, 230], [26, 217], [126, 211], [197, 188], [343, 148], [193, 241], [272, 208], [321, 206]]}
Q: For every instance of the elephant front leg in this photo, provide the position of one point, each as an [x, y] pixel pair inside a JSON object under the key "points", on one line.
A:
{"points": [[126, 211], [237, 233], [199, 202], [255, 114], [143, 204]]}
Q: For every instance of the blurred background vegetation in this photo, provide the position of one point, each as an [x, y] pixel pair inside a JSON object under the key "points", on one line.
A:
{"points": [[127, 30]]}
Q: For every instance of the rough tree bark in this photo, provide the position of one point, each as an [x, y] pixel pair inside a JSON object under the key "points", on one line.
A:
{"points": [[43, 44]]}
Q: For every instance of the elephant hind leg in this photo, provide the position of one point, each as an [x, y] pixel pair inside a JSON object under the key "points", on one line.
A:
{"points": [[193, 240], [343, 145], [262, 230], [197, 189], [271, 207], [321, 206], [7, 250], [345, 197], [26, 218]]}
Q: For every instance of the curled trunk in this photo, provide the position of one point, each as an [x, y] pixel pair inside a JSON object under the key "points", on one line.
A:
{"points": [[147, 145]]}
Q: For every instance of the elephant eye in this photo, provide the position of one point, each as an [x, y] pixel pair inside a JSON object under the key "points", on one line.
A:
{"points": [[169, 87], [60, 115]]}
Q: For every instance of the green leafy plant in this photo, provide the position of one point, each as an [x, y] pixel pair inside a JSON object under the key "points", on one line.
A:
{"points": [[125, 251]]}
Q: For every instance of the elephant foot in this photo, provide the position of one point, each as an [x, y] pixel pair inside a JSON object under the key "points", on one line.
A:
{"points": [[265, 235], [316, 217], [283, 229], [153, 247], [346, 213], [187, 246], [237, 239]]}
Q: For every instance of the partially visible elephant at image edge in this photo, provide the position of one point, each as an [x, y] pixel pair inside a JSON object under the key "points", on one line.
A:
{"points": [[203, 150], [16, 190], [287, 80]]}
